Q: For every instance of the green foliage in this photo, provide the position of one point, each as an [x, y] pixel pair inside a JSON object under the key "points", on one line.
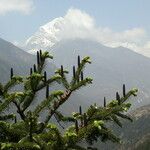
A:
{"points": [[24, 129]]}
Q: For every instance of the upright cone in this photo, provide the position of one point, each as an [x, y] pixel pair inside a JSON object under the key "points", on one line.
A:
{"points": [[47, 91], [45, 76], [124, 90], [118, 98], [62, 71], [34, 68], [104, 102], [74, 71], [11, 73], [78, 61]]}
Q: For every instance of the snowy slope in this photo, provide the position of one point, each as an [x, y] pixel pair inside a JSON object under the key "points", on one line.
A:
{"points": [[46, 36]]}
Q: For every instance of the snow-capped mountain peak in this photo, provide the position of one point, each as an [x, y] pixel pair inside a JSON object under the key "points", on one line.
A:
{"points": [[46, 36], [75, 24]]}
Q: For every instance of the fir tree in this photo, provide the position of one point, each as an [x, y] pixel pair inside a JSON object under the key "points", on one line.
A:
{"points": [[24, 129]]}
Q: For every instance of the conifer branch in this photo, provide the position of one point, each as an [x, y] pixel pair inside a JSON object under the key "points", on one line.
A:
{"points": [[55, 78], [19, 111], [29, 133], [81, 65]]}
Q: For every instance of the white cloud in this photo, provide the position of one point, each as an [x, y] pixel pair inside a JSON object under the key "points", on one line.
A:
{"points": [[78, 24], [23, 6]]}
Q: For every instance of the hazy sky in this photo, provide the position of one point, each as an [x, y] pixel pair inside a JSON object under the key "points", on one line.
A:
{"points": [[19, 19]]}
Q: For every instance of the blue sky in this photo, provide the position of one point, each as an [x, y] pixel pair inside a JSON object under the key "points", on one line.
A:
{"points": [[19, 23]]}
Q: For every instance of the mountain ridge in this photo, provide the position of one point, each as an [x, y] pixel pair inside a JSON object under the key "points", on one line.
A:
{"points": [[13, 57], [110, 68]]}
